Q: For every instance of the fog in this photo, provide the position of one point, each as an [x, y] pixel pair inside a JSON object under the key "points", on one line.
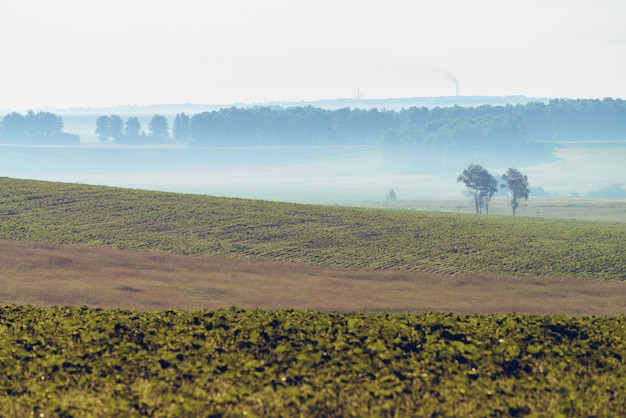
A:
{"points": [[313, 174]]}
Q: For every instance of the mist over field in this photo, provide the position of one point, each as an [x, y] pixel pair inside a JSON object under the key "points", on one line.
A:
{"points": [[323, 174], [335, 155], [300, 174]]}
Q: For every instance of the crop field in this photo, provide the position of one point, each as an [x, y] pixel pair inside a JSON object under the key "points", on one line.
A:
{"points": [[368, 239], [465, 313], [89, 362]]}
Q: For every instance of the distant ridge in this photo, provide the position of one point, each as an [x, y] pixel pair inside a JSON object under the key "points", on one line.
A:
{"points": [[331, 104], [406, 102]]}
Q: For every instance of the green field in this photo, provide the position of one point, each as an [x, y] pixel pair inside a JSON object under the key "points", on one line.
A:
{"points": [[75, 245], [369, 239], [85, 362]]}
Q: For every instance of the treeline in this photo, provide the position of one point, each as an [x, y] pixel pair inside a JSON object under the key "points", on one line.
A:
{"points": [[113, 129], [453, 129], [306, 125], [462, 127], [35, 128]]}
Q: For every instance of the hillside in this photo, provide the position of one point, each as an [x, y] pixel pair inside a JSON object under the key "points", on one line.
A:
{"points": [[367, 239], [325, 357]]}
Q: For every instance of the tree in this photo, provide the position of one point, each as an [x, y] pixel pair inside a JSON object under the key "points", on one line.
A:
{"points": [[14, 126], [159, 127], [132, 129], [50, 125], [517, 183], [43, 125], [481, 184], [182, 128], [103, 128], [488, 189], [33, 130], [116, 125], [471, 177]]}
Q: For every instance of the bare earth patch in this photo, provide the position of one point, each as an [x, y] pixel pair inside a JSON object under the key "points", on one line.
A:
{"points": [[50, 274]]}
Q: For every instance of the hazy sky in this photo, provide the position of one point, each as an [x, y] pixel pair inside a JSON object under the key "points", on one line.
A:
{"points": [[69, 53]]}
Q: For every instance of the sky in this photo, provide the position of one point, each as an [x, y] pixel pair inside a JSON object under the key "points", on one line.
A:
{"points": [[88, 53]]}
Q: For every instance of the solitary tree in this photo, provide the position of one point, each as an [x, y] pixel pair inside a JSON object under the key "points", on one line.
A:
{"points": [[517, 183], [481, 184]]}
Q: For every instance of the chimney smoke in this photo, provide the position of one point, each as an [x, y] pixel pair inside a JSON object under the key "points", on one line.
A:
{"points": [[454, 80]]}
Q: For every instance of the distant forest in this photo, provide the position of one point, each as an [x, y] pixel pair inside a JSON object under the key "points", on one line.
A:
{"points": [[499, 126], [452, 129]]}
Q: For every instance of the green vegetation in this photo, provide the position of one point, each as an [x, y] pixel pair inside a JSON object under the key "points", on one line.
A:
{"points": [[456, 129], [35, 128], [81, 361], [453, 129], [370, 239], [480, 184], [89, 362], [517, 183]]}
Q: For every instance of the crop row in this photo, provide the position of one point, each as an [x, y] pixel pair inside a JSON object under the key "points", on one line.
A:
{"points": [[322, 235], [67, 361]]}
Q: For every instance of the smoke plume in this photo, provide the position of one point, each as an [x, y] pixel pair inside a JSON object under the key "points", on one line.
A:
{"points": [[454, 80]]}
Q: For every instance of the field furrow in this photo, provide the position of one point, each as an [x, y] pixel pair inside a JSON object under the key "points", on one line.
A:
{"points": [[374, 239]]}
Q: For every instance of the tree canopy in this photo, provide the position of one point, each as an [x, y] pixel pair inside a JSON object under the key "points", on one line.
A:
{"points": [[39, 127], [481, 185], [182, 128], [159, 128], [132, 128], [517, 183], [449, 132]]}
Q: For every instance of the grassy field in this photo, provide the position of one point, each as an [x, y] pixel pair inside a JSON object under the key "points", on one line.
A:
{"points": [[571, 208], [357, 238], [122, 248], [51, 274]]}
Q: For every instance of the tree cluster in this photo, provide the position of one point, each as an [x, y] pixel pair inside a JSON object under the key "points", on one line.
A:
{"points": [[40, 128], [113, 129], [482, 186]]}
